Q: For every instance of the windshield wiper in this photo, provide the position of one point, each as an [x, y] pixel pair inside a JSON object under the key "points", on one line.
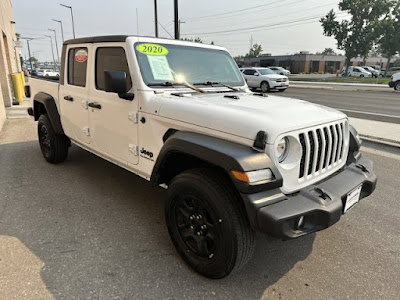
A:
{"points": [[169, 83], [211, 83]]}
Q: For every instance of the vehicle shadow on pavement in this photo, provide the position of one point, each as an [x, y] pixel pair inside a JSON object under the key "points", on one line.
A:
{"points": [[100, 232]]}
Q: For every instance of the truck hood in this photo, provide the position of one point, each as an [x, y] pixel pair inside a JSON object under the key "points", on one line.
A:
{"points": [[246, 115]]}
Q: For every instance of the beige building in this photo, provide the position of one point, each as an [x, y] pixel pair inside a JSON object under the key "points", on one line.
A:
{"points": [[9, 57]]}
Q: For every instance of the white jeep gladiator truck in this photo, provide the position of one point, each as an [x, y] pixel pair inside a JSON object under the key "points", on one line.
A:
{"points": [[180, 115]]}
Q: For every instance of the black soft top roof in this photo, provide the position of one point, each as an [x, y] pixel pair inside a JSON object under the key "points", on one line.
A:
{"points": [[102, 39], [97, 39]]}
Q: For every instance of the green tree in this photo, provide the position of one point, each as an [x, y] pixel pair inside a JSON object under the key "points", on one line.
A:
{"points": [[327, 51], [389, 41], [356, 35], [397, 62], [34, 62], [255, 51]]}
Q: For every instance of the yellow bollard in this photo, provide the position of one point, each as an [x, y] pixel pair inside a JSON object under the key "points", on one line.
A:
{"points": [[23, 79], [18, 87]]}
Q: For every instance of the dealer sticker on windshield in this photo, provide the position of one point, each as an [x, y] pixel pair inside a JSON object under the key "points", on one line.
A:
{"points": [[152, 49]]}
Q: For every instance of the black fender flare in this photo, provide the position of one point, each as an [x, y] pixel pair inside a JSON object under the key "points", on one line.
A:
{"points": [[50, 105], [220, 153]]}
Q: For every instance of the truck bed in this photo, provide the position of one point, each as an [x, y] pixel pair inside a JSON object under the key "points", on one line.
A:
{"points": [[44, 85]]}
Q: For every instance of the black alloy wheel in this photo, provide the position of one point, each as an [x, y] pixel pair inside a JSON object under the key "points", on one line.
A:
{"points": [[207, 223], [197, 226]]}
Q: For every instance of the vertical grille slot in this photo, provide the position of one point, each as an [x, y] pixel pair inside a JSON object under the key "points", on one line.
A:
{"points": [[321, 147], [303, 155], [311, 152]]}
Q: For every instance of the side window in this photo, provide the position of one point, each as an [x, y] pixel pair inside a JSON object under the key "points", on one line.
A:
{"points": [[249, 72], [77, 65], [111, 58]]}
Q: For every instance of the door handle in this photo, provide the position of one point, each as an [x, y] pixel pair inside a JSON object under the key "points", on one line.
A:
{"points": [[94, 105], [69, 98]]}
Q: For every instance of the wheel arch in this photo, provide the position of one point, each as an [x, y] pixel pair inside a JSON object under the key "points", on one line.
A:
{"points": [[186, 150], [44, 103]]}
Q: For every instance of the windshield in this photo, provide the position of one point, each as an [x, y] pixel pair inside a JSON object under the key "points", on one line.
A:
{"points": [[160, 63], [265, 71]]}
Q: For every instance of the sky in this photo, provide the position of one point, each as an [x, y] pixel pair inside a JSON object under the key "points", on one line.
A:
{"points": [[280, 26]]}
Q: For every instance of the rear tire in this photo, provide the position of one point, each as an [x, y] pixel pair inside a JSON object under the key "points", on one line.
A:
{"points": [[54, 146], [207, 224], [264, 87]]}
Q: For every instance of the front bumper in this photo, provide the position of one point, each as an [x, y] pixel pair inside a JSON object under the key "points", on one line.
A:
{"points": [[280, 85], [319, 205]]}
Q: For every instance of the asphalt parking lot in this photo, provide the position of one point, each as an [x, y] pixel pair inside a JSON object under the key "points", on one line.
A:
{"points": [[87, 229]]}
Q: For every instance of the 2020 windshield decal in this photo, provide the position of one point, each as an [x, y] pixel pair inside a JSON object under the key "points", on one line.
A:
{"points": [[152, 49]]}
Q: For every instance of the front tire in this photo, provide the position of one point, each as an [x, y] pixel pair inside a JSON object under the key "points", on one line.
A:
{"points": [[54, 146], [397, 86], [206, 223], [264, 87]]}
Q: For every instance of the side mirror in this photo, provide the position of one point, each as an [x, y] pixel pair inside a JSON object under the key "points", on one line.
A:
{"points": [[115, 82], [256, 74]]}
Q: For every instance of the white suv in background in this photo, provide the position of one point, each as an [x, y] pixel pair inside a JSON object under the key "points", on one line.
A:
{"points": [[375, 73], [280, 70], [356, 72], [265, 79], [48, 73]]}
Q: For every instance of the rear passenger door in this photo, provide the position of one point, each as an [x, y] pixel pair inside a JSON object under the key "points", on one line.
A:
{"points": [[250, 77], [74, 93], [113, 121]]}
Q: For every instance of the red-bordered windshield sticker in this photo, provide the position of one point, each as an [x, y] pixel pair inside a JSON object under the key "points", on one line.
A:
{"points": [[81, 55]]}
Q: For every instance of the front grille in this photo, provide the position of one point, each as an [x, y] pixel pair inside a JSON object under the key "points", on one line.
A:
{"points": [[322, 149]]}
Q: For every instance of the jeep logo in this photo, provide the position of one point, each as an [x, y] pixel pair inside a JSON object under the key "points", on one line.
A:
{"points": [[147, 153]]}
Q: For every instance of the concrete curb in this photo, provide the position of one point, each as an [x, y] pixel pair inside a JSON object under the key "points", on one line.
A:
{"points": [[381, 141], [341, 84]]}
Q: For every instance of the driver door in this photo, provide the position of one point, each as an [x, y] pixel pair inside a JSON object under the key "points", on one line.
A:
{"points": [[113, 121]]}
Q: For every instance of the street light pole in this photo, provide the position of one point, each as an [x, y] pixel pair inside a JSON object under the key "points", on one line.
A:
{"points": [[55, 38], [72, 17], [62, 30], [155, 18], [52, 50], [176, 19]]}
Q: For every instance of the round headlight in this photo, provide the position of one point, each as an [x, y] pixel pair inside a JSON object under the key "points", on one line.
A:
{"points": [[282, 149]]}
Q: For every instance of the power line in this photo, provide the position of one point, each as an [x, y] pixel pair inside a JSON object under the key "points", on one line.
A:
{"points": [[269, 18], [231, 12], [165, 30], [262, 27]]}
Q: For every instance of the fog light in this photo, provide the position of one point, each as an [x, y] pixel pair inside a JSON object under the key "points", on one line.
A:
{"points": [[300, 222]]}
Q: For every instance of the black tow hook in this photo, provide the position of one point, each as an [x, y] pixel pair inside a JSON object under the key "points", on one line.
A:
{"points": [[362, 168], [322, 194]]}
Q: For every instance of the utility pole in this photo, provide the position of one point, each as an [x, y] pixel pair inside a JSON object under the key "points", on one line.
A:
{"points": [[62, 30], [28, 39], [72, 17], [251, 41], [55, 38], [155, 18], [52, 50], [176, 19]]}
